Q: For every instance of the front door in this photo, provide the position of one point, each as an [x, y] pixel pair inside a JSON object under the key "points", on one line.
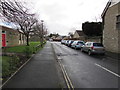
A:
{"points": [[3, 40]]}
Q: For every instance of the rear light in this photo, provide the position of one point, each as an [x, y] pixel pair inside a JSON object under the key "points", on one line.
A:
{"points": [[92, 47]]}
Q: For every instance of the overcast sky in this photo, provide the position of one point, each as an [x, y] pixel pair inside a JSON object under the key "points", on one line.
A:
{"points": [[64, 16]]}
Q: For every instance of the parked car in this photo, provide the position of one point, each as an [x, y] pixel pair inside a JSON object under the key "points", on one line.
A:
{"points": [[66, 43], [70, 42], [93, 47], [77, 44], [62, 41]]}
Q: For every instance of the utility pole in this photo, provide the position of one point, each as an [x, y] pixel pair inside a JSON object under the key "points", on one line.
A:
{"points": [[42, 32]]}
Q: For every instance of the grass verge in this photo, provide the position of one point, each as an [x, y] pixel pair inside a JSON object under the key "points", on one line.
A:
{"points": [[11, 62], [21, 49]]}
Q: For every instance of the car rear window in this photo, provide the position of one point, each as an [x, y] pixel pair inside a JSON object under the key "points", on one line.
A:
{"points": [[97, 44]]}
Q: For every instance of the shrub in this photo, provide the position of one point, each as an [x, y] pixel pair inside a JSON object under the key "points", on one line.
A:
{"points": [[27, 51]]}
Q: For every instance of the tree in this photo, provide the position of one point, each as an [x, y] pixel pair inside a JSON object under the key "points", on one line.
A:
{"points": [[70, 34], [51, 35], [16, 13], [92, 28], [40, 31]]}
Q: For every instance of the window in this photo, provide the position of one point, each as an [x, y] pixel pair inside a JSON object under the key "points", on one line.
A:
{"points": [[118, 22], [97, 44], [3, 31], [81, 43]]}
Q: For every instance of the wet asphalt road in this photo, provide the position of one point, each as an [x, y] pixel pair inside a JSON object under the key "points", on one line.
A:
{"points": [[88, 71]]}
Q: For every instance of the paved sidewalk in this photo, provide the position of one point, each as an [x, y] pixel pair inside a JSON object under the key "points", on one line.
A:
{"points": [[113, 55], [39, 72]]}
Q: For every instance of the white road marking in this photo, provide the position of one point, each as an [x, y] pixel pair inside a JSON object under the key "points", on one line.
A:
{"points": [[107, 70]]}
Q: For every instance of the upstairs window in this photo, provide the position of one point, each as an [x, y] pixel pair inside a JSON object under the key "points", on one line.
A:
{"points": [[118, 22]]}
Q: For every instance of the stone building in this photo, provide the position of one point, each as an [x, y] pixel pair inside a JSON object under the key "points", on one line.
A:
{"points": [[111, 26], [11, 37], [79, 35]]}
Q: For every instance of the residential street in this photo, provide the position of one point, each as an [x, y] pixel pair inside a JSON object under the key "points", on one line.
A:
{"points": [[60, 44], [88, 71], [84, 71]]}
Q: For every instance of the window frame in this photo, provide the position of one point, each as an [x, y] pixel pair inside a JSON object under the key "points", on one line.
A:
{"points": [[118, 22]]}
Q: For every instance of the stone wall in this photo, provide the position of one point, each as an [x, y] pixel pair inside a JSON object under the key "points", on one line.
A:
{"points": [[93, 39], [110, 33], [12, 38]]}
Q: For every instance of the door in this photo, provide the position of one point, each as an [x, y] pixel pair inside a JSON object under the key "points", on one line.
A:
{"points": [[3, 40]]}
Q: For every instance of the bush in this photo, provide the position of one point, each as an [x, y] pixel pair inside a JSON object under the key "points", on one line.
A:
{"points": [[9, 65], [28, 51], [14, 61], [5, 68]]}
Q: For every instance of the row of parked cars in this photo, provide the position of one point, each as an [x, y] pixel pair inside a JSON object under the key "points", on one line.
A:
{"points": [[89, 47]]}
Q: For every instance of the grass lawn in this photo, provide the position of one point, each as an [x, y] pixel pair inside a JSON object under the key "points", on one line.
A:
{"points": [[21, 49]]}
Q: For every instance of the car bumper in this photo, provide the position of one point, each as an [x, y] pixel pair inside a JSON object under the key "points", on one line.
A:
{"points": [[98, 52]]}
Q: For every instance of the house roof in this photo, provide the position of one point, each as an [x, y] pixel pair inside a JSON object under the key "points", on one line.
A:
{"points": [[80, 33], [110, 3], [9, 29], [106, 8]]}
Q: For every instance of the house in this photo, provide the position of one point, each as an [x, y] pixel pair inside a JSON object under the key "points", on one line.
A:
{"points": [[79, 35], [66, 38], [11, 37], [111, 26]]}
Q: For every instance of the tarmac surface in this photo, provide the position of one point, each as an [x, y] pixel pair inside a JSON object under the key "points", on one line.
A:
{"points": [[40, 72], [84, 71]]}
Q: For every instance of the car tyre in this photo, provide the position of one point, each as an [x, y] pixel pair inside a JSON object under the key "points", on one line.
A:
{"points": [[89, 53], [75, 48], [81, 49], [103, 54]]}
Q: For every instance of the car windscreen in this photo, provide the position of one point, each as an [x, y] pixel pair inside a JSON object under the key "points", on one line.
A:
{"points": [[97, 44], [81, 43]]}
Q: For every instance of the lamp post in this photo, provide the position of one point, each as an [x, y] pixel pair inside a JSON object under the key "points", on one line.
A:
{"points": [[42, 31]]}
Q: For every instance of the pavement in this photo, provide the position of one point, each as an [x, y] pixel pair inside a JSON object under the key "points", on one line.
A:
{"points": [[40, 72], [115, 56]]}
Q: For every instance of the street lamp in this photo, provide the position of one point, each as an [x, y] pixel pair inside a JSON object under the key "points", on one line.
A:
{"points": [[42, 31]]}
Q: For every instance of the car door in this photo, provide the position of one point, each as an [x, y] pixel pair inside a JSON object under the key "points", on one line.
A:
{"points": [[73, 44], [85, 47], [88, 46]]}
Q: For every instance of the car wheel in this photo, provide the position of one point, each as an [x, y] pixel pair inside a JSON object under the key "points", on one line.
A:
{"points": [[103, 54], [89, 53], [81, 49], [75, 48]]}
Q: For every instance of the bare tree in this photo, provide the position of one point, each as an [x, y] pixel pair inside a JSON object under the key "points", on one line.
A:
{"points": [[40, 31], [16, 13], [70, 34]]}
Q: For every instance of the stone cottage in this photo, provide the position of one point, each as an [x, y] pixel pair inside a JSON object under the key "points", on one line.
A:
{"points": [[79, 35], [111, 26], [11, 37]]}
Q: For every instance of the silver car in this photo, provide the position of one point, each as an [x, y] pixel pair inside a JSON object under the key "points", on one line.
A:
{"points": [[77, 44], [93, 48]]}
